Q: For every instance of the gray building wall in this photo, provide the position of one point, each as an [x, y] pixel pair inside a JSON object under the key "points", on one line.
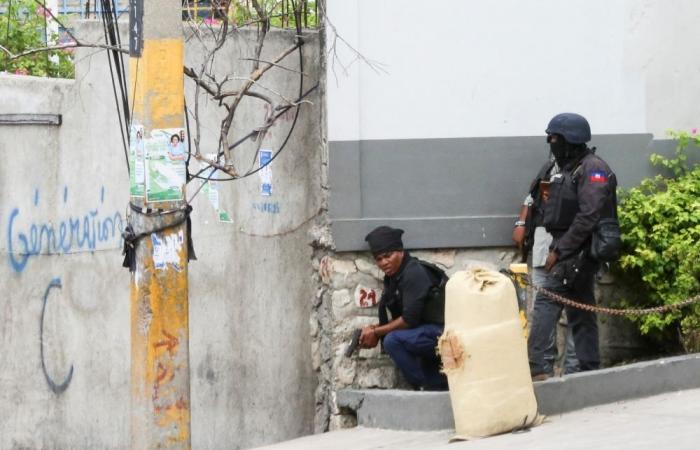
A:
{"points": [[454, 192], [64, 380]]}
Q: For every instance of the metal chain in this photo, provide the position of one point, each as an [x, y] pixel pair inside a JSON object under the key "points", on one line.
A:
{"points": [[605, 310]]}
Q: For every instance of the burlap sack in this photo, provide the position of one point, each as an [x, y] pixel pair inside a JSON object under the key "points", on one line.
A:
{"points": [[484, 355]]}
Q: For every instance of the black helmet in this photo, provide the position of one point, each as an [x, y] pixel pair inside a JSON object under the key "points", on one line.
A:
{"points": [[573, 127]]}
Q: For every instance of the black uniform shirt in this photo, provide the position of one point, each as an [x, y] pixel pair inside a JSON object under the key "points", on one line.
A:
{"points": [[595, 184], [405, 293]]}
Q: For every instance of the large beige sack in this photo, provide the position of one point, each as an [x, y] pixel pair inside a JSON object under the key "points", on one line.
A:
{"points": [[484, 354]]}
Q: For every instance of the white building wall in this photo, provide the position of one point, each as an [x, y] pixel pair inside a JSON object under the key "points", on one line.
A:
{"points": [[467, 68]]}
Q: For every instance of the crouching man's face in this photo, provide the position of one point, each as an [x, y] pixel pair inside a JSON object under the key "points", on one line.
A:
{"points": [[389, 262]]}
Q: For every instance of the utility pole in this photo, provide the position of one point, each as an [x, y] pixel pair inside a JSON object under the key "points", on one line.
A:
{"points": [[160, 380]]}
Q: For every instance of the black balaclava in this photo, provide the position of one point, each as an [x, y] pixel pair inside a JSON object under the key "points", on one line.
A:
{"points": [[564, 152]]}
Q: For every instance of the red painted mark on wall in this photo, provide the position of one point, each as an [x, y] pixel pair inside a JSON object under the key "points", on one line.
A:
{"points": [[162, 373], [324, 268], [365, 297], [170, 343], [181, 404], [286, 116]]}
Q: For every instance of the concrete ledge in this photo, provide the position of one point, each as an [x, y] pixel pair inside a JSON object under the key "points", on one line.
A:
{"points": [[419, 411], [395, 409]]}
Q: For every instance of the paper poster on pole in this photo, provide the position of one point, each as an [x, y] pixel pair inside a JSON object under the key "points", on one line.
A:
{"points": [[265, 172], [166, 153], [137, 161], [211, 190], [166, 250]]}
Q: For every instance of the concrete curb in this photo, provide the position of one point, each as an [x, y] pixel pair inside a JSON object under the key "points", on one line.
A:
{"points": [[420, 411]]}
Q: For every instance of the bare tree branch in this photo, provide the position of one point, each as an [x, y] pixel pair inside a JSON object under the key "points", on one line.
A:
{"points": [[376, 66], [226, 123], [276, 65], [51, 48], [259, 72]]}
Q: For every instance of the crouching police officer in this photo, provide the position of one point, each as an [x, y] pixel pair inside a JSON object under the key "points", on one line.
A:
{"points": [[412, 296], [579, 195]]}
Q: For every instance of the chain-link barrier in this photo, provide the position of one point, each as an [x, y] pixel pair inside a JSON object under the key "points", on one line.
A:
{"points": [[519, 277]]}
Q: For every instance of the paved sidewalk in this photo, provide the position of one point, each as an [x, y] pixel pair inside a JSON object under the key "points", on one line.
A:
{"points": [[663, 421], [395, 409]]}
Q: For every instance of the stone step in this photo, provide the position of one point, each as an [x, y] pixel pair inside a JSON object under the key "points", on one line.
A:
{"points": [[420, 411]]}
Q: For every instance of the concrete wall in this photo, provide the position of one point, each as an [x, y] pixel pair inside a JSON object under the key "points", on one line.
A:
{"points": [[251, 293], [250, 296], [69, 180]]}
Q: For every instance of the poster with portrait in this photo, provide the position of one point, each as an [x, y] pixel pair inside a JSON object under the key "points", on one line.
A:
{"points": [[166, 152], [137, 161]]}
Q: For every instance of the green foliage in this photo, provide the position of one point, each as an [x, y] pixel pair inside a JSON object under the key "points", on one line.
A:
{"points": [[22, 28], [660, 223]]}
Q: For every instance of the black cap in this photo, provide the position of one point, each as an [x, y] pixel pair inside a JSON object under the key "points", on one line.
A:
{"points": [[384, 239]]}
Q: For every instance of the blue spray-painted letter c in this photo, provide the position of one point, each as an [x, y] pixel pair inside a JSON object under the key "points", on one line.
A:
{"points": [[56, 388]]}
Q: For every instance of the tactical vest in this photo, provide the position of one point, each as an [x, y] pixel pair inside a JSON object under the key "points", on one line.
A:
{"points": [[562, 206]]}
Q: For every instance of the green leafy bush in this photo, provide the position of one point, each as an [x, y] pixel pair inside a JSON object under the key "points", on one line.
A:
{"points": [[660, 222], [22, 27]]}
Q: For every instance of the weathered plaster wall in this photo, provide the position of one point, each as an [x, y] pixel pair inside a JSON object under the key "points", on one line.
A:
{"points": [[250, 299], [252, 379]]}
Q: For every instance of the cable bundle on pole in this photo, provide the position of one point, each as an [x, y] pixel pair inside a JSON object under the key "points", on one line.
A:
{"points": [[110, 23]]}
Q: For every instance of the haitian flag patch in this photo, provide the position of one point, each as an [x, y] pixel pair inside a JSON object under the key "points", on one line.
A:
{"points": [[597, 177]]}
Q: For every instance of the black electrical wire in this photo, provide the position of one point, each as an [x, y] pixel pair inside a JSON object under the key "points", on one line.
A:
{"points": [[112, 35], [7, 34], [136, 83], [124, 87], [111, 30], [189, 144]]}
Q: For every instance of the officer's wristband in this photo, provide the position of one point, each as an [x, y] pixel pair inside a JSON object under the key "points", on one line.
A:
{"points": [[519, 223]]}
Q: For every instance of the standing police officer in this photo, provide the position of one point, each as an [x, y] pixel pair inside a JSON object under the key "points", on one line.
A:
{"points": [[580, 195], [533, 242]]}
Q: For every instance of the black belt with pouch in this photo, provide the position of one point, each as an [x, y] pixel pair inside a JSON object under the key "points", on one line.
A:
{"points": [[606, 241]]}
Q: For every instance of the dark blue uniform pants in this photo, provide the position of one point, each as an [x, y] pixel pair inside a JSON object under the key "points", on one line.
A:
{"points": [[413, 352], [583, 324], [539, 276]]}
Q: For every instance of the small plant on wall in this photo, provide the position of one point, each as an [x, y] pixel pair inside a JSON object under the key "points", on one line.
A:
{"points": [[660, 223]]}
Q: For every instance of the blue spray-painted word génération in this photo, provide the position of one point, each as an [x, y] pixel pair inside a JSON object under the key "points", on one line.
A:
{"points": [[83, 231]]}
